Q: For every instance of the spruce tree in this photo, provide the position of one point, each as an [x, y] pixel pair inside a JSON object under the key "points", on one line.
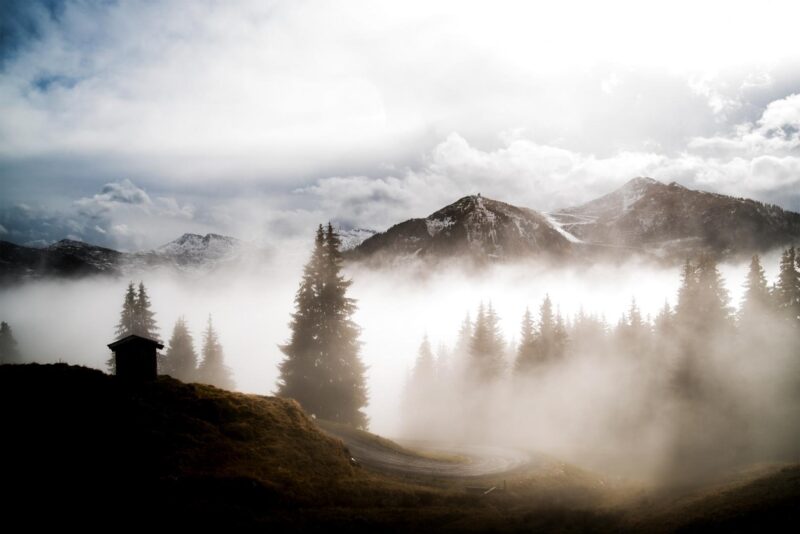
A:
{"points": [[788, 288], [713, 300], [180, 361], [9, 353], [486, 346], [757, 299], [145, 323], [212, 369], [664, 322], [322, 369], [135, 318], [552, 335], [702, 298], [424, 368], [127, 318], [526, 352], [559, 337]]}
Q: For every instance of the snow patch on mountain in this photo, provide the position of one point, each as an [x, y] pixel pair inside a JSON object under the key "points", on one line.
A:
{"points": [[352, 237], [559, 228], [194, 249], [437, 225]]}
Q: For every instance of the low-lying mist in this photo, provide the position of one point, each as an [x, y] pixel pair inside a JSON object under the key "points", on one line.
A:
{"points": [[597, 408]]}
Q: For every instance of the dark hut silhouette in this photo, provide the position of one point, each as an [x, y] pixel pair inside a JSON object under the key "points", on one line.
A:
{"points": [[135, 357]]}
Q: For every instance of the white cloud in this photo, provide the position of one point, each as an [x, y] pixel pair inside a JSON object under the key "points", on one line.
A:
{"points": [[758, 160], [193, 90]]}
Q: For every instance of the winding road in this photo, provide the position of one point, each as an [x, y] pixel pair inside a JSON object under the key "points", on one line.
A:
{"points": [[435, 460]]}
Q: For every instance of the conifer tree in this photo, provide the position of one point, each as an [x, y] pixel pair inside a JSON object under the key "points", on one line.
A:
{"points": [[702, 298], [664, 325], [9, 353], [424, 368], [135, 318], [526, 352], [180, 361], [486, 346], [757, 298], [322, 369], [633, 331], [145, 323], [788, 288], [559, 337], [212, 369], [127, 319]]}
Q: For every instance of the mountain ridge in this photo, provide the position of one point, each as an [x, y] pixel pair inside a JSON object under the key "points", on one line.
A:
{"points": [[473, 226]]}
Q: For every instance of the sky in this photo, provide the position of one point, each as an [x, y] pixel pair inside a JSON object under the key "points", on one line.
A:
{"points": [[128, 123]]}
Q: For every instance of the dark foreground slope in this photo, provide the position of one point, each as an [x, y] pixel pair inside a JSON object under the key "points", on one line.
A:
{"points": [[80, 449]]}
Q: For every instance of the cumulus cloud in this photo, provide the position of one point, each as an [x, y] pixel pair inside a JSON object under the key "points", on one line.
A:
{"points": [[263, 119], [121, 215], [759, 160]]}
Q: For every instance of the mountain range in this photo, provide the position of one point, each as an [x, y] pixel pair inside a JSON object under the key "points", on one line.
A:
{"points": [[71, 258], [644, 217]]}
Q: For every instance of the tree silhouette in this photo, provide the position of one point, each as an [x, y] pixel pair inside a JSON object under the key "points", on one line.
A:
{"points": [[127, 318], [9, 353], [212, 369], [757, 298], [526, 351], [145, 323], [322, 369], [180, 360], [136, 317], [788, 288], [486, 346]]}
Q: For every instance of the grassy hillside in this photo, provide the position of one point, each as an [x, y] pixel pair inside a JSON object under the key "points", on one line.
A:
{"points": [[79, 448], [79, 440]]}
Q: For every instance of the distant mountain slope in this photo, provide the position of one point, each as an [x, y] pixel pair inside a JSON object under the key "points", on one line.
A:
{"points": [[194, 249], [672, 220], [475, 226], [71, 258], [65, 258]]}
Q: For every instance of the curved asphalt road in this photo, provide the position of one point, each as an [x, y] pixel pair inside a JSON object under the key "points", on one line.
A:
{"points": [[479, 460]]}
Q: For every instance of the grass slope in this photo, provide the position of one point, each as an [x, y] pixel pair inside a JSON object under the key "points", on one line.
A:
{"points": [[79, 448]]}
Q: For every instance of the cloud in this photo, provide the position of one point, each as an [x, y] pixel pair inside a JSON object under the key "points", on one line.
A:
{"points": [[112, 196], [274, 91], [121, 215], [262, 119], [758, 160]]}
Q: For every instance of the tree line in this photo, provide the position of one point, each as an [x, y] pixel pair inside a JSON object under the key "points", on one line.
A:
{"points": [[705, 361], [703, 307], [180, 360]]}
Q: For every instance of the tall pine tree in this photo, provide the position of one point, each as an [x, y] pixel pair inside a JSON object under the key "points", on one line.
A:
{"points": [[322, 369], [787, 292], [136, 317], [757, 299], [145, 323], [212, 369], [526, 351], [127, 318], [9, 353], [180, 361], [486, 346]]}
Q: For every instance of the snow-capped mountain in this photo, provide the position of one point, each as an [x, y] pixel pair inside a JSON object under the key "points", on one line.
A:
{"points": [[192, 250], [352, 237], [479, 227], [68, 257], [669, 220]]}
